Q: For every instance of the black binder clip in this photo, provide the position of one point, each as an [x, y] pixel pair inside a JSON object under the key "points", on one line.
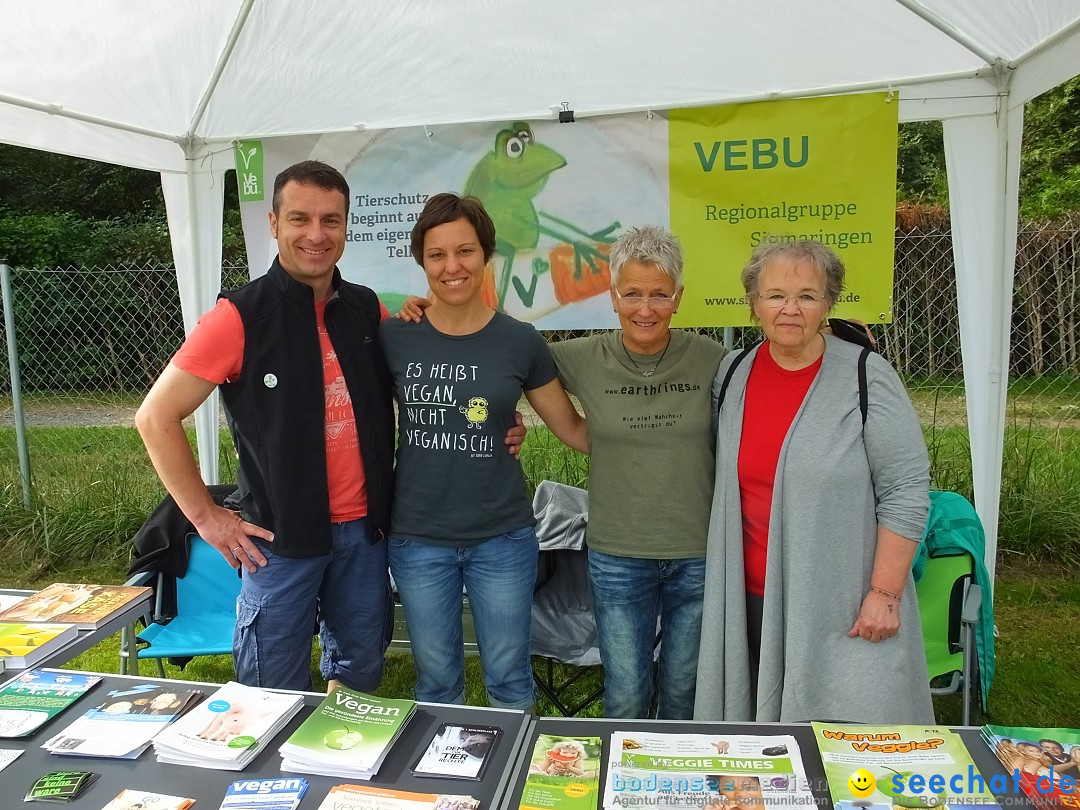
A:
{"points": [[566, 115]]}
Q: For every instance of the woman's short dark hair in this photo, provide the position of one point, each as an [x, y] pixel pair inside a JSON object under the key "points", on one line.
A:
{"points": [[449, 207], [312, 173]]}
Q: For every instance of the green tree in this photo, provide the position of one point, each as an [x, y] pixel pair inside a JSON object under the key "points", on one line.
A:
{"points": [[36, 182], [920, 164], [59, 211], [1050, 158]]}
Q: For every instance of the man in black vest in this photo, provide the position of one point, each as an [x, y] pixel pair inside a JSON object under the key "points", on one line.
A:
{"points": [[308, 397]]}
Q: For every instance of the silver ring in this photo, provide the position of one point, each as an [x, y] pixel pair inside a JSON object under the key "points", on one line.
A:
{"points": [[234, 550]]}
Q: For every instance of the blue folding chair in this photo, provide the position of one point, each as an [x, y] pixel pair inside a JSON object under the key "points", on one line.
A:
{"points": [[205, 611]]}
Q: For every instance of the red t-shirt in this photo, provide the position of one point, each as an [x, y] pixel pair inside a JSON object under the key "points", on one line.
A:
{"points": [[773, 397], [214, 351]]}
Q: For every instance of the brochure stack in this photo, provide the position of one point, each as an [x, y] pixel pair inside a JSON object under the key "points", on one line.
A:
{"points": [[349, 734], [358, 797], [1044, 761], [696, 770], [882, 767], [25, 645], [123, 724], [88, 607], [564, 774], [37, 696], [229, 729]]}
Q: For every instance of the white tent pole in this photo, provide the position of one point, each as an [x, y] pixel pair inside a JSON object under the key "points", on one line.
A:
{"points": [[949, 30], [194, 202], [551, 112], [1058, 41], [1047, 67], [982, 156], [59, 111], [219, 68]]}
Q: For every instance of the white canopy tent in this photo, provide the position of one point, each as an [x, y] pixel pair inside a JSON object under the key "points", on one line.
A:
{"points": [[168, 86]]}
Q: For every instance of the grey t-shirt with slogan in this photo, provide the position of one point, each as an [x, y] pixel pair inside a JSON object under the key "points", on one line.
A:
{"points": [[455, 480], [652, 459]]}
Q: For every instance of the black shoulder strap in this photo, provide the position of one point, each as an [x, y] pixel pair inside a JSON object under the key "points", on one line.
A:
{"points": [[864, 396], [731, 370]]}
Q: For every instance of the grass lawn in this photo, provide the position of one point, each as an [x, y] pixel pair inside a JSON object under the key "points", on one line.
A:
{"points": [[94, 486], [1037, 613]]}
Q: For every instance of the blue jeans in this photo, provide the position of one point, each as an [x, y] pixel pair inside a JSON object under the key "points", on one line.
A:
{"points": [[346, 591], [499, 575], [630, 593]]}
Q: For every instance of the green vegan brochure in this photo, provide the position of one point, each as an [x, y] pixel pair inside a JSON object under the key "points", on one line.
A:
{"points": [[348, 734], [37, 696], [564, 774], [886, 767]]}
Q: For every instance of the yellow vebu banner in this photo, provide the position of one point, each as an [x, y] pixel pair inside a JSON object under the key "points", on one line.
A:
{"points": [[822, 168], [722, 178]]}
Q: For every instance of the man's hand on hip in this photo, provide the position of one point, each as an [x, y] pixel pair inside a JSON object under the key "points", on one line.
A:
{"points": [[231, 535]]}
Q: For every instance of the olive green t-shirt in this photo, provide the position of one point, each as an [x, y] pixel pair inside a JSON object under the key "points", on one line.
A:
{"points": [[652, 459]]}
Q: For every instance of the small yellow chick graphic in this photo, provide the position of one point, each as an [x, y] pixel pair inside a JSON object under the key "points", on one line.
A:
{"points": [[861, 783], [476, 412]]}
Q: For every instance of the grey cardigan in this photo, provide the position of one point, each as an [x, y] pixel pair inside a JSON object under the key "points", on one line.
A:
{"points": [[836, 480]]}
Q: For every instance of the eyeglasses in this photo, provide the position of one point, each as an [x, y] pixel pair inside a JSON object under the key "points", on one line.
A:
{"points": [[658, 302], [802, 300]]}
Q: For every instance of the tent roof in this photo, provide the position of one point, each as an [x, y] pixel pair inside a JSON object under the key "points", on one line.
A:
{"points": [[174, 75]]}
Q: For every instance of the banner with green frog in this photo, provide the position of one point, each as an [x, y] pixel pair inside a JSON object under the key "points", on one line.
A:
{"points": [[724, 179]]}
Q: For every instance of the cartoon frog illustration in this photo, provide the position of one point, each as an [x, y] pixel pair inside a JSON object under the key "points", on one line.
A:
{"points": [[476, 412], [506, 180]]}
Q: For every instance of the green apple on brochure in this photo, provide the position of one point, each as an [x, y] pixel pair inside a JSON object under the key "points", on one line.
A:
{"points": [[348, 734]]}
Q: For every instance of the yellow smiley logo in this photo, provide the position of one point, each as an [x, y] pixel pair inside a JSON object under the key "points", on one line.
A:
{"points": [[861, 783]]}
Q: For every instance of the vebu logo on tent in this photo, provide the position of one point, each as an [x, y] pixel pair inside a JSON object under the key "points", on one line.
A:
{"points": [[249, 170]]}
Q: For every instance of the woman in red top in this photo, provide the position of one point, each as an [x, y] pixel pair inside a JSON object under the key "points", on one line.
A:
{"points": [[809, 604]]}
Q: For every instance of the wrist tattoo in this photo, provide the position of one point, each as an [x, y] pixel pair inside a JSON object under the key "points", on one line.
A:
{"points": [[889, 594]]}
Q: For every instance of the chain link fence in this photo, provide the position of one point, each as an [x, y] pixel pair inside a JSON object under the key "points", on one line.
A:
{"points": [[92, 340], [90, 343]]}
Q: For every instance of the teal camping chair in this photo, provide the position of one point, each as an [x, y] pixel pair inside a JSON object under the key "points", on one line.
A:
{"points": [[205, 611], [955, 610]]}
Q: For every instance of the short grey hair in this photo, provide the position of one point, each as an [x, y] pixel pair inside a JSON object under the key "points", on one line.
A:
{"points": [[651, 245], [799, 250]]}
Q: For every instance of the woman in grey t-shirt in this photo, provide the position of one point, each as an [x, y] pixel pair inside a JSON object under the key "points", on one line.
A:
{"points": [[462, 514]]}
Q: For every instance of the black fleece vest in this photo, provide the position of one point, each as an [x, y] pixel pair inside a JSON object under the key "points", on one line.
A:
{"points": [[277, 407]]}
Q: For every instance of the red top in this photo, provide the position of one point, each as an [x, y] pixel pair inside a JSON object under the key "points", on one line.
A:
{"points": [[214, 351], [773, 397]]}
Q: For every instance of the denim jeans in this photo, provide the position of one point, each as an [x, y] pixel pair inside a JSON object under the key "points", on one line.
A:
{"points": [[499, 575], [347, 591], [630, 593]]}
